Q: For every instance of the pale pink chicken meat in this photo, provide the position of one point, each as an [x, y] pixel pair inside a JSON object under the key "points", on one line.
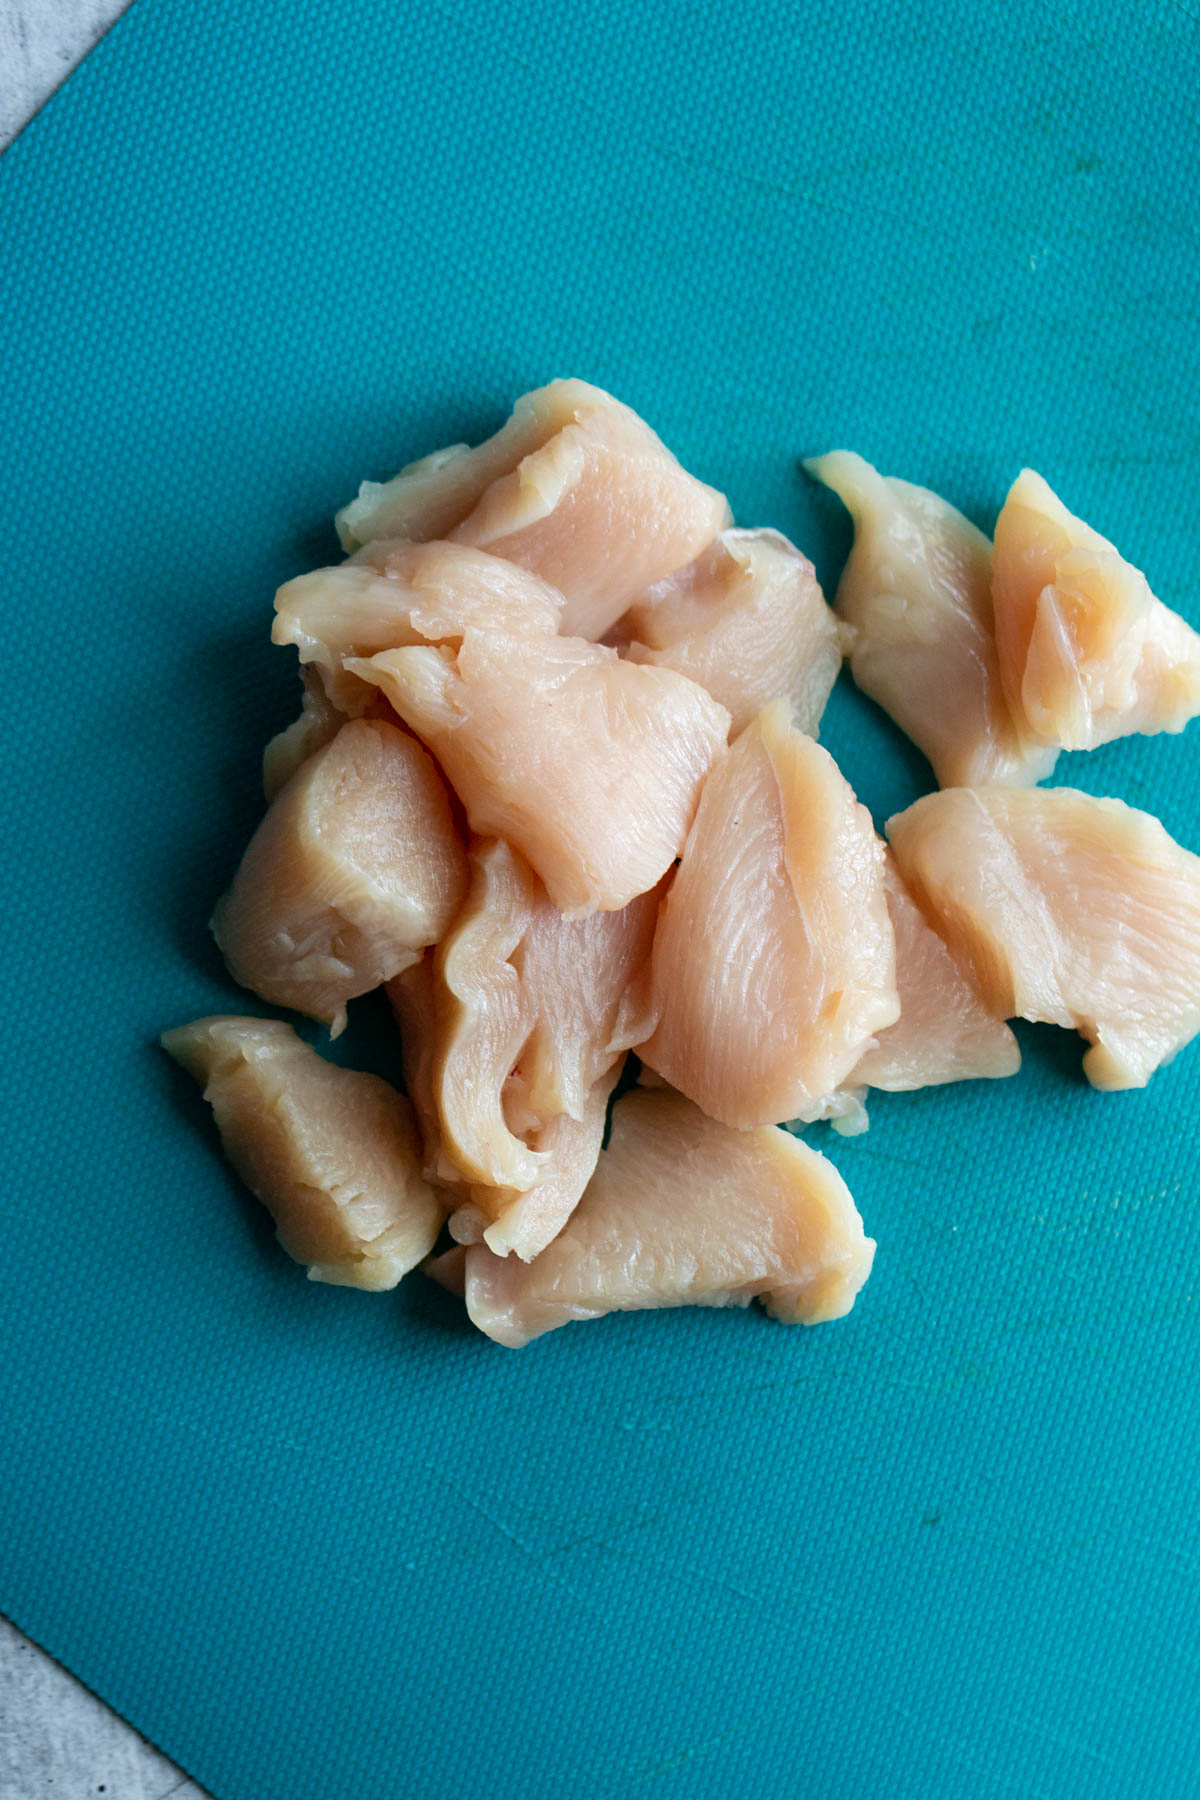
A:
{"points": [[681, 1211], [915, 596], [534, 1009], [1087, 653], [575, 487], [748, 621], [332, 1154], [390, 595], [773, 965], [356, 867], [945, 1032], [318, 724], [590, 766], [413, 997], [1071, 910], [516, 1223]]}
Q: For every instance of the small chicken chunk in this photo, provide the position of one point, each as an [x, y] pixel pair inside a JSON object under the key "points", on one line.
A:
{"points": [[773, 964], [591, 767], [390, 595], [748, 621], [356, 867], [681, 1211], [516, 1223], [333, 1155], [1071, 910], [916, 597], [574, 487], [1086, 652], [535, 1009]]}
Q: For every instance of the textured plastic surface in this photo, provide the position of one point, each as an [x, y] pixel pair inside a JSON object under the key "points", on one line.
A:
{"points": [[317, 1542]]}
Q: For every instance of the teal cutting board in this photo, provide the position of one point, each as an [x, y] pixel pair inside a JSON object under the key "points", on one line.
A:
{"points": [[320, 1543]]}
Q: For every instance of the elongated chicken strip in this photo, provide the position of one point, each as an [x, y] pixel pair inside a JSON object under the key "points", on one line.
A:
{"points": [[916, 595], [681, 1211], [1086, 652], [945, 1032], [748, 621], [333, 1155], [773, 965], [535, 1010], [1072, 910], [521, 1224], [574, 487], [591, 767], [391, 595], [356, 867]]}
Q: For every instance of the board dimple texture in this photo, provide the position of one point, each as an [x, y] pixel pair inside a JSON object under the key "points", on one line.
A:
{"points": [[317, 1542]]}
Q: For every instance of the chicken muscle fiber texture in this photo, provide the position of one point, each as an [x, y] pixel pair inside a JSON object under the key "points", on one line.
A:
{"points": [[1087, 653], [1072, 910], [355, 868], [332, 1154], [916, 596], [575, 487], [681, 1211], [773, 964], [390, 595], [748, 621], [535, 1009], [590, 766]]}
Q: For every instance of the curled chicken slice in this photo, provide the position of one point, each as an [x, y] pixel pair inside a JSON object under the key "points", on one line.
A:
{"points": [[681, 1211], [535, 1009], [748, 621], [590, 766], [575, 487], [332, 1154], [355, 868], [1086, 652], [916, 597], [390, 595], [1072, 910], [515, 1223], [773, 964]]}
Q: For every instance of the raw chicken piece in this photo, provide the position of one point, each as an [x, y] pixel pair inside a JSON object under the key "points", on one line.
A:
{"points": [[522, 1224], [392, 594], [945, 1031], [1086, 652], [773, 963], [332, 1154], [681, 1211], [575, 487], [318, 725], [356, 867], [916, 595], [535, 1009], [588, 765], [413, 996], [748, 621], [1072, 910]]}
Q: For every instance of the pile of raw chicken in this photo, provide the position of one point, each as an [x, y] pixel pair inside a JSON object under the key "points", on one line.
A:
{"points": [[556, 784]]}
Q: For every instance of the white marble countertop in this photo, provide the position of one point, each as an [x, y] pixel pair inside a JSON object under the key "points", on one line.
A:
{"points": [[57, 1741]]}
